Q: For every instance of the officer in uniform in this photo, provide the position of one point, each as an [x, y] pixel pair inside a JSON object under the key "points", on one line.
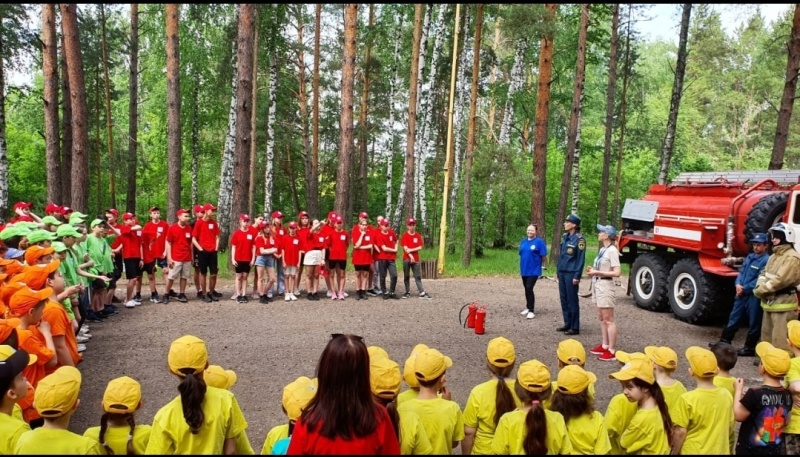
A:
{"points": [[571, 260]]}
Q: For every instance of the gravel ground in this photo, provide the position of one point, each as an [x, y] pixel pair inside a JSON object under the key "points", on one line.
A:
{"points": [[270, 345]]}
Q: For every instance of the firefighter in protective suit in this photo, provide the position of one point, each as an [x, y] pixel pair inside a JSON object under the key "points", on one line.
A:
{"points": [[777, 286]]}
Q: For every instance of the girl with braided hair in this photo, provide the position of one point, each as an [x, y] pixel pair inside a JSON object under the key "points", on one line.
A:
{"points": [[118, 432]]}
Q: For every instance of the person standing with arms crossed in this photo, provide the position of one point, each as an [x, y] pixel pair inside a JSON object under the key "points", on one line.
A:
{"points": [[532, 252], [205, 238], [606, 267], [571, 259]]}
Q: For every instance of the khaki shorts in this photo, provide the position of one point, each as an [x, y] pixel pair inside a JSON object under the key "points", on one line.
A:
{"points": [[315, 257], [181, 269], [604, 293], [289, 271]]}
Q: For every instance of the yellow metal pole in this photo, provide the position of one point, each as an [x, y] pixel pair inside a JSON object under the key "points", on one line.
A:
{"points": [[449, 148]]}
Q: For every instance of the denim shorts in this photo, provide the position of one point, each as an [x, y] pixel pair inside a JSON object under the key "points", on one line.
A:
{"points": [[266, 261]]}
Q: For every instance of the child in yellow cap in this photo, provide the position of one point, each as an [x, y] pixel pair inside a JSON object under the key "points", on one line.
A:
{"points": [[570, 352], [202, 419], [726, 359], [13, 388], [440, 416], [620, 410], [56, 400], [118, 433], [792, 381], [703, 417], [490, 400], [296, 396], [532, 429], [585, 426], [408, 375], [665, 362], [650, 429], [764, 411], [384, 380]]}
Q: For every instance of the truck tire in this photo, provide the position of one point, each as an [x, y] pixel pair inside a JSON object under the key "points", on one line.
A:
{"points": [[649, 276], [765, 213], [692, 292]]}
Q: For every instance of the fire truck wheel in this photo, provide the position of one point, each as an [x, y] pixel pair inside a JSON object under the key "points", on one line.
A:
{"points": [[692, 292], [649, 276], [765, 213]]}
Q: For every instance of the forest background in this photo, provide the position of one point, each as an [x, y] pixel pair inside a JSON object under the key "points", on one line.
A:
{"points": [[171, 94]]}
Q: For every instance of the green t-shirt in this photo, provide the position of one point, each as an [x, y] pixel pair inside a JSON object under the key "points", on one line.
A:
{"points": [[100, 252]]}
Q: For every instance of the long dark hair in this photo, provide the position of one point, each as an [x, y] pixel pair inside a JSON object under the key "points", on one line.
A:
{"points": [[535, 441], [572, 405], [193, 390], [658, 396], [343, 403], [104, 426], [391, 407], [503, 400]]}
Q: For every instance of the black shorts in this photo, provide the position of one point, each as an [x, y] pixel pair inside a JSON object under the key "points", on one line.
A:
{"points": [[149, 268], [207, 262], [98, 284], [361, 267], [162, 262], [327, 254], [195, 257], [117, 266], [337, 264], [132, 270], [243, 267]]}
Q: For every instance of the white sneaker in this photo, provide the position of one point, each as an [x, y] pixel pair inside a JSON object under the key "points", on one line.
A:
{"points": [[81, 339], [234, 297], [85, 328], [524, 311], [81, 347], [130, 304], [288, 297], [346, 295], [292, 297], [85, 335], [328, 294], [138, 302], [530, 315]]}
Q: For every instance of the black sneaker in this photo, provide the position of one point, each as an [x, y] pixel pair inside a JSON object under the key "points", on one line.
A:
{"points": [[213, 297], [364, 294], [154, 298], [263, 300], [137, 297], [245, 299], [425, 296], [91, 316], [109, 312], [406, 295], [393, 296], [386, 296], [371, 292], [172, 294], [240, 299], [214, 293], [182, 298], [358, 295], [165, 300], [206, 298]]}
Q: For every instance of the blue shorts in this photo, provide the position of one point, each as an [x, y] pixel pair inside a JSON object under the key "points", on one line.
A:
{"points": [[266, 261]]}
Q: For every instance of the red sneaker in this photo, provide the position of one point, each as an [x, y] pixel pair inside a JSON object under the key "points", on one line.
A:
{"points": [[598, 350], [607, 356]]}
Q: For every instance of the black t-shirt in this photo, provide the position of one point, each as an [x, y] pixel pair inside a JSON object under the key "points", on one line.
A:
{"points": [[762, 432]]}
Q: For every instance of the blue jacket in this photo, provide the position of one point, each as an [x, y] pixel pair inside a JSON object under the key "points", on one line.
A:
{"points": [[531, 253], [751, 268], [572, 257]]}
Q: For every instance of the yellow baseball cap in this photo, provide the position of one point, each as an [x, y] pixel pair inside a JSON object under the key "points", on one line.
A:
{"points": [[533, 376], [571, 351], [572, 379], [662, 356], [384, 377], [702, 361], [187, 352], [122, 395], [636, 368], [57, 393], [431, 364], [408, 367], [216, 376], [794, 332], [297, 394], [626, 357], [7, 351], [500, 352], [776, 361], [377, 351]]}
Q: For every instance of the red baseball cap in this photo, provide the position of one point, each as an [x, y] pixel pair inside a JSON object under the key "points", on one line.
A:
{"points": [[209, 206], [66, 210], [363, 214], [22, 205], [198, 209], [154, 208], [293, 225], [337, 219], [52, 208], [127, 216], [411, 221], [302, 214], [110, 210], [384, 222], [181, 212], [244, 217], [263, 224], [277, 215]]}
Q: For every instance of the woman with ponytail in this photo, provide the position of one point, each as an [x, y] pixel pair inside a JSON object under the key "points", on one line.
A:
{"points": [[118, 433], [532, 429], [650, 430], [490, 400], [202, 419]]}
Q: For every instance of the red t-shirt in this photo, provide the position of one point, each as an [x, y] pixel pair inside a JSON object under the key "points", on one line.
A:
{"points": [[267, 242], [158, 238], [302, 234], [148, 239], [316, 240], [291, 250], [131, 242], [411, 241], [386, 239], [362, 256], [22, 219], [206, 233], [180, 240], [243, 241], [337, 243], [382, 440]]}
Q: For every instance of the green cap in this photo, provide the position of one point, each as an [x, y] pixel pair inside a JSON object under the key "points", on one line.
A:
{"points": [[51, 220], [76, 217], [97, 222], [28, 225], [11, 231], [68, 230], [59, 246], [41, 235]]}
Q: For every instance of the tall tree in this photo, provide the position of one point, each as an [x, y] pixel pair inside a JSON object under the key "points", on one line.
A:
{"points": [[50, 73], [80, 132], [251, 192], [244, 106], [272, 110], [302, 99], [580, 78], [225, 201], [789, 89], [346, 120], [677, 93], [109, 121], [312, 180], [66, 128], [392, 128], [460, 112], [623, 112], [473, 109], [363, 131], [133, 110], [612, 83], [173, 113]]}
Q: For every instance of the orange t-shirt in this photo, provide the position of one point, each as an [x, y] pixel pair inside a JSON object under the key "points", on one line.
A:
{"points": [[60, 325], [32, 341]]}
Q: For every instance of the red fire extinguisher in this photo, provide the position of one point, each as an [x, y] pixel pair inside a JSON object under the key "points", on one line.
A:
{"points": [[480, 321], [471, 309]]}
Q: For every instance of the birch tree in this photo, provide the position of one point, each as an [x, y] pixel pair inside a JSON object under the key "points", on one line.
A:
{"points": [[580, 76], [473, 105], [789, 90], [133, 111], [463, 93], [612, 83], [423, 52], [251, 182], [271, 115], [392, 127], [623, 111], [50, 73], [346, 120], [173, 113], [302, 99], [225, 199], [312, 181], [244, 106], [363, 130]]}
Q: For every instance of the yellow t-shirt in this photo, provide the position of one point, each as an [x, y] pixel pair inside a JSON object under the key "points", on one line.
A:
{"points": [[276, 433], [406, 395], [117, 438], [413, 438], [645, 434], [588, 434], [442, 420], [554, 386], [707, 416], [223, 420], [243, 446], [618, 415], [480, 410], [512, 430], [53, 441], [11, 428], [672, 393], [793, 376], [17, 412], [725, 382]]}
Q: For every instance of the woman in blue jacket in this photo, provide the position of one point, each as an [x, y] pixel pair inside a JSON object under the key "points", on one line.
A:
{"points": [[532, 252]]}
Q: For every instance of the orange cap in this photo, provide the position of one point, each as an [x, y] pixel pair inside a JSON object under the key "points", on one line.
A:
{"points": [[34, 253], [8, 290], [7, 327], [14, 268], [35, 276], [26, 299]]}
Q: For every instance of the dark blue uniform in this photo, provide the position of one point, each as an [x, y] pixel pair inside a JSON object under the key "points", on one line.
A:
{"points": [[571, 261], [747, 305]]}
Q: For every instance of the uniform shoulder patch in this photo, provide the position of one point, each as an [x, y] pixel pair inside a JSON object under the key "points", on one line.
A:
{"points": [[582, 244]]}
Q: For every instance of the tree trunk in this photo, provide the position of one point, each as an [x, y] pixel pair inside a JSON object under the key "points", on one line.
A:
{"points": [[97, 144], [462, 91], [50, 73], [789, 89], [391, 127], [363, 130], [289, 169], [612, 83], [573, 134], [302, 98], [133, 110], [173, 113], [346, 120], [493, 76], [80, 133], [312, 183], [3, 144], [195, 137], [423, 52], [677, 93], [244, 107], [225, 199], [623, 111], [473, 108], [66, 129], [539, 182], [251, 191], [271, 113], [109, 122]]}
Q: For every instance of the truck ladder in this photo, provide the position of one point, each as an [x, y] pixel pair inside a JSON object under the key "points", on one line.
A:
{"points": [[781, 177]]}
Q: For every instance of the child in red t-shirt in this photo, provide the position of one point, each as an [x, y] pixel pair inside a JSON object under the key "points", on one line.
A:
{"points": [[130, 237], [337, 260], [290, 244], [266, 247], [243, 254], [412, 244], [386, 243], [362, 258]]}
